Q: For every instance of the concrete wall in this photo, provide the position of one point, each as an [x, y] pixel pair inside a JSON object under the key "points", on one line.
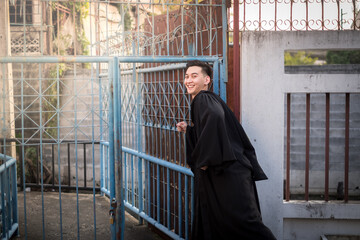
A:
{"points": [[264, 84]]}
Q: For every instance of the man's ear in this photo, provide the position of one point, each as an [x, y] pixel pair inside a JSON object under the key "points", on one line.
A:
{"points": [[207, 80]]}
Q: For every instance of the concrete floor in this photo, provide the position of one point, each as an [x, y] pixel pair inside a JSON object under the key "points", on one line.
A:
{"points": [[133, 230]]}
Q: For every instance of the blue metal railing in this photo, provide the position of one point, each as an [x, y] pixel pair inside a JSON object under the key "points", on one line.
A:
{"points": [[8, 202]]}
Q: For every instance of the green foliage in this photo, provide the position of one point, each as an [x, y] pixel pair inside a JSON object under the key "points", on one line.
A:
{"points": [[299, 58], [63, 44], [127, 17], [343, 57], [127, 21]]}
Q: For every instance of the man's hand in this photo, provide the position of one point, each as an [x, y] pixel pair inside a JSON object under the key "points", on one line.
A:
{"points": [[181, 126]]}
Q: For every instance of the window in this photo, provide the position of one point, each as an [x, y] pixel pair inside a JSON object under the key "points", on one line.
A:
{"points": [[17, 12]]}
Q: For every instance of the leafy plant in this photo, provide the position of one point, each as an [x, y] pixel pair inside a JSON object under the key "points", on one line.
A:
{"points": [[343, 57], [299, 58]]}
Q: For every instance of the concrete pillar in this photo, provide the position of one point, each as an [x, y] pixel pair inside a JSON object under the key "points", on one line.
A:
{"points": [[7, 123]]}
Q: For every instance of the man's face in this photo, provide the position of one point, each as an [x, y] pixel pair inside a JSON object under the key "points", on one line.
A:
{"points": [[195, 81]]}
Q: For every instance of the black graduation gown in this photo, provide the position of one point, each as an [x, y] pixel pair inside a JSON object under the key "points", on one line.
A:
{"points": [[226, 202]]}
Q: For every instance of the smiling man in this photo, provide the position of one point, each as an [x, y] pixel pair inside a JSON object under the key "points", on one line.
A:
{"points": [[224, 164]]}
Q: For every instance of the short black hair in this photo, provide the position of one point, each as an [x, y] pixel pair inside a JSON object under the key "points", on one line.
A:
{"points": [[205, 68]]}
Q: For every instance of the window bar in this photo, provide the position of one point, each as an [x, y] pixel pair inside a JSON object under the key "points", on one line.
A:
{"points": [[327, 143], [347, 125], [307, 158], [288, 118]]}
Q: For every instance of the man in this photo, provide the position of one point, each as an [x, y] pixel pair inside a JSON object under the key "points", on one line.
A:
{"points": [[224, 165]]}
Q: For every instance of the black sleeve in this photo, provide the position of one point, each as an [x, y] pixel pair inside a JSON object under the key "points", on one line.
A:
{"points": [[212, 146]]}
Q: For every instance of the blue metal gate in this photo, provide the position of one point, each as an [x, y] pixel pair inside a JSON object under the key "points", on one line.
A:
{"points": [[59, 129], [158, 186]]}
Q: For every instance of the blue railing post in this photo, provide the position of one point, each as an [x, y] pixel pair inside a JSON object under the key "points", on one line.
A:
{"points": [[8, 195], [111, 140], [119, 211]]}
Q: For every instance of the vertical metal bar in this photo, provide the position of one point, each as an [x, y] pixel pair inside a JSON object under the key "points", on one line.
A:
{"points": [[23, 147], [192, 202], [307, 155], [93, 137], [68, 152], [73, 15], [168, 197], [85, 179], [120, 215], [186, 208], [3, 215], [126, 177], [179, 204], [153, 189], [259, 15], [8, 199], [148, 188], [196, 28], [347, 128], [225, 48], [132, 181], [53, 164], [275, 16], [107, 29], [58, 142], [339, 15], [41, 151], [182, 27], [76, 153], [14, 196], [22, 170], [355, 13], [37, 164], [158, 192], [58, 31], [291, 15], [288, 142], [111, 162], [236, 60], [307, 15], [322, 15], [167, 30], [140, 188], [24, 26], [327, 145], [102, 159], [216, 77], [210, 8]]}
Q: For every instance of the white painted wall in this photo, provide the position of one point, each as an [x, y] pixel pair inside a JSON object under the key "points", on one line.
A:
{"points": [[263, 84]]}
